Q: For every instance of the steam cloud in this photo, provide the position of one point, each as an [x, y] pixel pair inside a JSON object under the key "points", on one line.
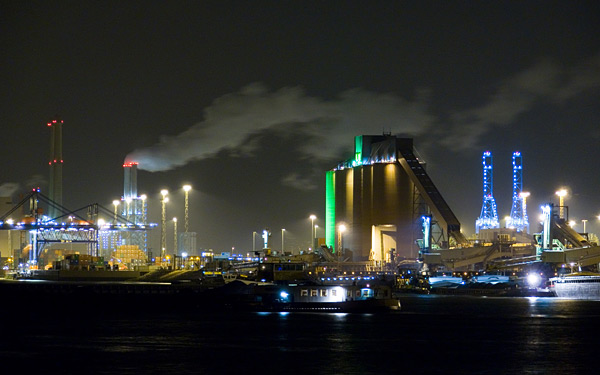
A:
{"points": [[7, 189], [231, 120], [10, 189]]}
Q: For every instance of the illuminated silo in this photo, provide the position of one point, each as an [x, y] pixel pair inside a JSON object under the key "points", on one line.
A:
{"points": [[380, 195]]}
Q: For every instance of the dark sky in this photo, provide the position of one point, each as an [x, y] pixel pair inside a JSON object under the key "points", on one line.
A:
{"points": [[252, 101]]}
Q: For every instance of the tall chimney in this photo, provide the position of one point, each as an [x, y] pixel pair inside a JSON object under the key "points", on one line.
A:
{"points": [[56, 164], [130, 180]]}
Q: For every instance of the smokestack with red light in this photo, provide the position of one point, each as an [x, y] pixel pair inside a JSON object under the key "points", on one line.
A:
{"points": [[130, 180], [56, 163]]}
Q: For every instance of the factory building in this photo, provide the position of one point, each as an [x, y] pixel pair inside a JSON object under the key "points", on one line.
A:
{"points": [[382, 206], [134, 210], [6, 240]]}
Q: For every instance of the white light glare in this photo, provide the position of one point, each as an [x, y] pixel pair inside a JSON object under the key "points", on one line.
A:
{"points": [[533, 280]]}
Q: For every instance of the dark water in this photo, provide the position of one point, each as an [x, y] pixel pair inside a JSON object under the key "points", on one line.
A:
{"points": [[431, 335]]}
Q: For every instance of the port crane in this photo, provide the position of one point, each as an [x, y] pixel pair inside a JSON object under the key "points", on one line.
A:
{"points": [[68, 226]]}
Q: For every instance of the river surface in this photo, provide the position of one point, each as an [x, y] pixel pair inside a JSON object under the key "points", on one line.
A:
{"points": [[431, 335]]}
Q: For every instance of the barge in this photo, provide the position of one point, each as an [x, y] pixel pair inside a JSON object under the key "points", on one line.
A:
{"points": [[577, 286]]}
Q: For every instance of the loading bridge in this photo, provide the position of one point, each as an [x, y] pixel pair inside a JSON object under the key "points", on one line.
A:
{"points": [[446, 218], [567, 235], [68, 226]]}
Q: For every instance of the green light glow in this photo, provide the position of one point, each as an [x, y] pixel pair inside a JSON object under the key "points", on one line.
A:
{"points": [[358, 145], [330, 209]]}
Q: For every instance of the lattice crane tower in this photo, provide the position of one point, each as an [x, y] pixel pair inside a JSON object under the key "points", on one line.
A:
{"points": [[489, 215], [518, 213]]}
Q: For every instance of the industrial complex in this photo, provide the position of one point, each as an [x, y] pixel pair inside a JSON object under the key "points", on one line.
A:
{"points": [[384, 215]]}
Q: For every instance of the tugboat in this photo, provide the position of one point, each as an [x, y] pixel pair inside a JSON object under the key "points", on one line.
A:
{"points": [[335, 298], [245, 295]]}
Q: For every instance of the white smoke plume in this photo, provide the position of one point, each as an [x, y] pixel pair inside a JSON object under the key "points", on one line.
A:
{"points": [[330, 124], [7, 189]]}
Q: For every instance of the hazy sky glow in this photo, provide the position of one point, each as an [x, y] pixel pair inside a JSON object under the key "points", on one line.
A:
{"points": [[251, 102]]}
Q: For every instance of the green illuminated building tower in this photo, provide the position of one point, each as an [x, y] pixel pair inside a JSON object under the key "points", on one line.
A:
{"points": [[381, 196]]}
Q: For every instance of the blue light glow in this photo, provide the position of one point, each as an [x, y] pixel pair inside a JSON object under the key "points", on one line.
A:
{"points": [[518, 214], [489, 214]]}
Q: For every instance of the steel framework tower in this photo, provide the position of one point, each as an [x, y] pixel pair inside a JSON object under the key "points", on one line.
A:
{"points": [[56, 163], [489, 215], [518, 213]]}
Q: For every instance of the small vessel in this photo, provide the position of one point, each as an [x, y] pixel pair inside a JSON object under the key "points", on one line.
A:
{"points": [[333, 298], [582, 285]]}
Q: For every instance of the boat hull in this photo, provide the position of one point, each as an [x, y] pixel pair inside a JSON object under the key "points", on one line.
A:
{"points": [[577, 287], [361, 306]]}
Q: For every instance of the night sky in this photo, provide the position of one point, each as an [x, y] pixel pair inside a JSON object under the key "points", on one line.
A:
{"points": [[252, 101]]}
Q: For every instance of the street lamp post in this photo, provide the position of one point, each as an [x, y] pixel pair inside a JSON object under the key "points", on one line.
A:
{"points": [[175, 235], [128, 208], [312, 229], [186, 189], [116, 204], [186, 239], [282, 241], [561, 202], [163, 235], [584, 221], [144, 197], [254, 243]]}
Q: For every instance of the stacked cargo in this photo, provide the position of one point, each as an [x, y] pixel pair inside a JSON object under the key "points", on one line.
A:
{"points": [[80, 262], [128, 255]]}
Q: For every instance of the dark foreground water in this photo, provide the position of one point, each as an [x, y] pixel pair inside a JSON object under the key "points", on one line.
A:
{"points": [[431, 335]]}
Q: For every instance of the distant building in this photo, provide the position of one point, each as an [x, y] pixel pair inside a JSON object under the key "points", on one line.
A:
{"points": [[5, 247], [187, 244], [383, 196]]}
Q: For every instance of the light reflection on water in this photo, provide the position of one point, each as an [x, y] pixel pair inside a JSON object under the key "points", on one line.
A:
{"points": [[433, 334]]}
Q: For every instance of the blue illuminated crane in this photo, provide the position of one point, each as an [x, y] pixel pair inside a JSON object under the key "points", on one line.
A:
{"points": [[489, 215], [518, 213]]}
